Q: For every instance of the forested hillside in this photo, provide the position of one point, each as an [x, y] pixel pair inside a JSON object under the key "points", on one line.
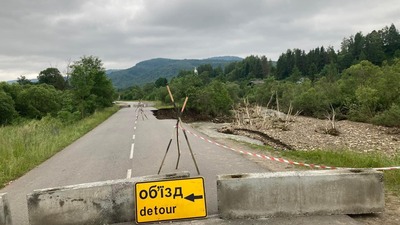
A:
{"points": [[361, 81], [150, 70], [376, 47]]}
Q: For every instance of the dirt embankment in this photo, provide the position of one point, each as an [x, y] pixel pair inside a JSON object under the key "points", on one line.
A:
{"points": [[304, 133]]}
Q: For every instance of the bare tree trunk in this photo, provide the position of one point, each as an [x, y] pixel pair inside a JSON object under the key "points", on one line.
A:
{"points": [[270, 100], [277, 101], [246, 103]]}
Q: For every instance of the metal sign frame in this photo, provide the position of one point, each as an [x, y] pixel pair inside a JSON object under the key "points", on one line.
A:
{"points": [[178, 122]]}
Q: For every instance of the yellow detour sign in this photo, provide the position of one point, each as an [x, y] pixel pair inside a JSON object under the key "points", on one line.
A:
{"points": [[170, 200]]}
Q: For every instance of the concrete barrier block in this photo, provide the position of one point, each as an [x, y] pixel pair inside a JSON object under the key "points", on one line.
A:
{"points": [[295, 193], [5, 214], [92, 203]]}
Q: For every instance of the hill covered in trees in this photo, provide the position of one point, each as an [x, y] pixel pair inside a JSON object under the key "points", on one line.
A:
{"points": [[360, 82], [150, 70]]}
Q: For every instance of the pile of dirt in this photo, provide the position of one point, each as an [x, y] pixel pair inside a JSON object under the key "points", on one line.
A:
{"points": [[299, 133], [304, 133]]}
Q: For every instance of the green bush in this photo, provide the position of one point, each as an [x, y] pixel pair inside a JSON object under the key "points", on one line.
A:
{"points": [[7, 111], [36, 101], [390, 117], [68, 117], [214, 100]]}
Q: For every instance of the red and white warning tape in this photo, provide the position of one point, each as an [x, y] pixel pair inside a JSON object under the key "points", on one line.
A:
{"points": [[313, 166]]}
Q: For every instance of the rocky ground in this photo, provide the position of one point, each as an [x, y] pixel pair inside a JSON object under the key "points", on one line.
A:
{"points": [[263, 126], [302, 133]]}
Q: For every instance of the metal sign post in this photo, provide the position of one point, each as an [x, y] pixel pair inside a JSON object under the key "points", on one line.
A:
{"points": [[178, 122]]}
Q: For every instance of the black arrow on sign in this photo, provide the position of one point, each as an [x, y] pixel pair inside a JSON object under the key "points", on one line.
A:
{"points": [[193, 197]]}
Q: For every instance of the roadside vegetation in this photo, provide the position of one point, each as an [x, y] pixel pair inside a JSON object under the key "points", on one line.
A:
{"points": [[344, 159], [39, 119], [162, 105], [28, 144], [83, 90], [359, 82]]}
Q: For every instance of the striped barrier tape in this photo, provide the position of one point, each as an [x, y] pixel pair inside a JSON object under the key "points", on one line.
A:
{"points": [[281, 160]]}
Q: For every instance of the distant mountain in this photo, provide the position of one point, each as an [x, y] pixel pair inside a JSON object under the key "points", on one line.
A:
{"points": [[15, 81], [226, 58], [150, 70], [111, 71]]}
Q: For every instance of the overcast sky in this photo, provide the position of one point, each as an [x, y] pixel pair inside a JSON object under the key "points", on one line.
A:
{"points": [[37, 34]]}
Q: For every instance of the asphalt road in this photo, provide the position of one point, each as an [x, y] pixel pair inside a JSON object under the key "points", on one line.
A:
{"points": [[121, 148]]}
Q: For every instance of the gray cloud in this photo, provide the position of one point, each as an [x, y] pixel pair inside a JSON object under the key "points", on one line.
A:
{"points": [[42, 33]]}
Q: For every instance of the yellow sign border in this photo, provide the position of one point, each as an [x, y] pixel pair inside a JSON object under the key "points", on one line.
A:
{"points": [[164, 181]]}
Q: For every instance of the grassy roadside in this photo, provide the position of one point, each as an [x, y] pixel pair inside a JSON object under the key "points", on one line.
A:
{"points": [[345, 158], [160, 105], [27, 145]]}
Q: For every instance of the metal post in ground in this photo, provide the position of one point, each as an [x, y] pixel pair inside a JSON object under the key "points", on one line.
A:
{"points": [[178, 122]]}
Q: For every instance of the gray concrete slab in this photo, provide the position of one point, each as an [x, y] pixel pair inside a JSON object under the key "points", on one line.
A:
{"points": [[5, 214], [280, 194], [91, 203]]}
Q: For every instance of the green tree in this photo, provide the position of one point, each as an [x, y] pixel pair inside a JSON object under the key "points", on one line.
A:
{"points": [[283, 67], [312, 71], [137, 93], [365, 107], [161, 82], [358, 48], [296, 75], [361, 74], [390, 117], [22, 80], [36, 101], [214, 100], [69, 112], [7, 110], [90, 85], [205, 67], [374, 48], [52, 76], [388, 85], [391, 40], [186, 86], [103, 89], [11, 89], [311, 103]]}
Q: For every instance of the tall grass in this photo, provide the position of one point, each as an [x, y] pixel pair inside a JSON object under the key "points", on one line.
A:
{"points": [[161, 105], [347, 159], [350, 159], [24, 146]]}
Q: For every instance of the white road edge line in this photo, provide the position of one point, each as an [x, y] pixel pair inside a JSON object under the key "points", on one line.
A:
{"points": [[129, 174], [132, 149]]}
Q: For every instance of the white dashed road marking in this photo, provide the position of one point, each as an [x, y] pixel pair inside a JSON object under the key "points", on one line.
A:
{"points": [[132, 149]]}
